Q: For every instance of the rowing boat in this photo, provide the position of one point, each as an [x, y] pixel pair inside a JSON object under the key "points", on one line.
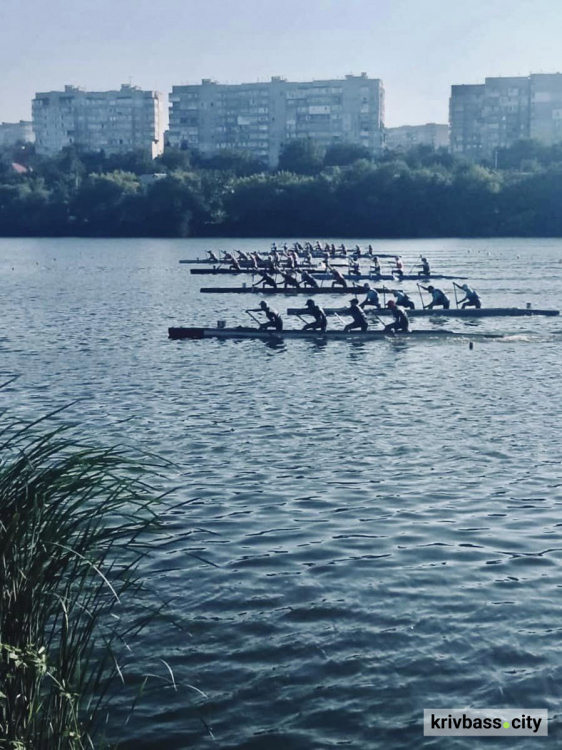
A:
{"points": [[468, 312], [255, 333], [248, 264], [322, 276], [293, 290], [254, 271]]}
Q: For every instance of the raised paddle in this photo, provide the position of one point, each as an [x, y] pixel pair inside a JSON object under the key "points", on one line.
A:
{"points": [[421, 296]]}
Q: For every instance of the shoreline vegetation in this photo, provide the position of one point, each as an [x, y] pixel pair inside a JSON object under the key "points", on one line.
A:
{"points": [[75, 524], [343, 193]]}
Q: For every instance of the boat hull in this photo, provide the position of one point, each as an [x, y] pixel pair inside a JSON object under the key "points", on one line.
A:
{"points": [[357, 290], [241, 332], [468, 312], [321, 276]]}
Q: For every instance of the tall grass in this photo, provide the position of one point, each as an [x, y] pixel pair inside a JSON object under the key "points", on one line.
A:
{"points": [[74, 525]]}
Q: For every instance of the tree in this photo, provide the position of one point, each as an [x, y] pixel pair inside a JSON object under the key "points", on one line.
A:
{"points": [[300, 157], [344, 154]]}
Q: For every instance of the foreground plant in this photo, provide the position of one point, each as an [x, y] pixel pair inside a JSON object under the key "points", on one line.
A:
{"points": [[75, 523]]}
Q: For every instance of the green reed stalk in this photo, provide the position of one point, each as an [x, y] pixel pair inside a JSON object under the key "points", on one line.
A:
{"points": [[75, 523]]}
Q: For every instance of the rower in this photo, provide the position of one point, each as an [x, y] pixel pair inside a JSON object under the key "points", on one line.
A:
{"points": [[338, 278], [399, 267], [234, 265], [308, 280], [438, 298], [212, 256], [289, 279], [375, 266], [354, 269], [275, 256], [274, 320], [403, 300], [308, 258], [359, 319], [425, 269], [266, 280], [320, 320], [372, 297], [471, 299], [242, 255], [401, 324]]}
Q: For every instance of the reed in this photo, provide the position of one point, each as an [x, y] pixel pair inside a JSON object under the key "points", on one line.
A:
{"points": [[75, 523]]}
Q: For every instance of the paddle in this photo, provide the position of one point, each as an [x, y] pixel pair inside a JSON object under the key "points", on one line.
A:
{"points": [[455, 291], [253, 317], [421, 296], [341, 320], [415, 264]]}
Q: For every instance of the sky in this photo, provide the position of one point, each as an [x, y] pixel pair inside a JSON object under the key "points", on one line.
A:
{"points": [[419, 48]]}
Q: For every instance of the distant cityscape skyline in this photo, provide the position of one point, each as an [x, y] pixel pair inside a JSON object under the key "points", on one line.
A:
{"points": [[418, 48]]}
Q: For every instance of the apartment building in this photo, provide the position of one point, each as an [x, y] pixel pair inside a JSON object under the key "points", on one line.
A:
{"points": [[15, 132], [406, 137], [546, 107], [260, 118], [486, 117], [129, 119]]}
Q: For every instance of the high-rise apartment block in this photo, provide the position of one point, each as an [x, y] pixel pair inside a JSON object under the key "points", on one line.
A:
{"points": [[486, 117], [15, 132], [110, 121], [405, 137], [546, 107], [260, 118]]}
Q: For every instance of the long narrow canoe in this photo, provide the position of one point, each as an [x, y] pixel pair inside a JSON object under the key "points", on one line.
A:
{"points": [[314, 270], [280, 290], [321, 276], [255, 333], [468, 312], [246, 264]]}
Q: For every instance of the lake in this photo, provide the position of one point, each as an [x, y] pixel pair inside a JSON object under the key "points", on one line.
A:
{"points": [[372, 528]]}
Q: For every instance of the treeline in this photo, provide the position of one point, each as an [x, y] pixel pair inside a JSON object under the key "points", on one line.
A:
{"points": [[342, 193]]}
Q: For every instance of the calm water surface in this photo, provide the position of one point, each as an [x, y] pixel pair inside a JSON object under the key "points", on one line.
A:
{"points": [[377, 527]]}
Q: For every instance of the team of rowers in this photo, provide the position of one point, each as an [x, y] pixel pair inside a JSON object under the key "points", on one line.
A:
{"points": [[290, 269], [400, 323]]}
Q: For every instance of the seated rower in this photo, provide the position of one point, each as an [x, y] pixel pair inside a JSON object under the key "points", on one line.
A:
{"points": [[234, 265], [425, 269], [354, 269], [401, 324], [242, 255], [266, 280], [212, 256], [320, 321], [398, 269], [471, 299], [338, 278], [359, 319], [403, 300], [438, 298], [274, 320], [372, 297], [375, 266], [308, 280], [289, 279]]}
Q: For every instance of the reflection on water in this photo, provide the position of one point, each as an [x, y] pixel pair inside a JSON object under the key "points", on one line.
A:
{"points": [[370, 528]]}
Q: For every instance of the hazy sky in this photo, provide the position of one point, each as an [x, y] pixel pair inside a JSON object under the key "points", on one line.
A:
{"points": [[417, 47]]}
